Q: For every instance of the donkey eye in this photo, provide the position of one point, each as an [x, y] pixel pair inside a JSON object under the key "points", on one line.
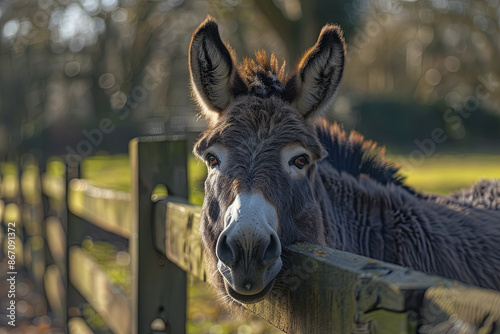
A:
{"points": [[300, 162], [212, 161]]}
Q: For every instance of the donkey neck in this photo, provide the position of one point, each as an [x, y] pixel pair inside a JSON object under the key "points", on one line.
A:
{"points": [[358, 212], [391, 223]]}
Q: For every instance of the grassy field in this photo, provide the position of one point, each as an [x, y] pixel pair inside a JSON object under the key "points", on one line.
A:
{"points": [[438, 174], [115, 172], [443, 174]]}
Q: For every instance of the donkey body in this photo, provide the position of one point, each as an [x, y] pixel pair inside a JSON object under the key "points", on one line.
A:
{"points": [[278, 174]]}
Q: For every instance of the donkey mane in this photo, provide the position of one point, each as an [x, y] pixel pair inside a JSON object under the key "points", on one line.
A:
{"points": [[353, 154]]}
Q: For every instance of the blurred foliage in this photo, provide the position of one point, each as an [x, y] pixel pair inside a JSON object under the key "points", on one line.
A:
{"points": [[414, 66], [79, 76], [425, 51], [386, 121], [75, 71]]}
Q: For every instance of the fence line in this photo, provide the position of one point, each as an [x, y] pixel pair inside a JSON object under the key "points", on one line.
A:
{"points": [[322, 291]]}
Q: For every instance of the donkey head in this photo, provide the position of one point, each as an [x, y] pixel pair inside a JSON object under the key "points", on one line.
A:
{"points": [[261, 151]]}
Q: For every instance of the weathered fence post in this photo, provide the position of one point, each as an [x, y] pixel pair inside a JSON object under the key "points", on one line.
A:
{"points": [[54, 228], [73, 225], [159, 286], [31, 221]]}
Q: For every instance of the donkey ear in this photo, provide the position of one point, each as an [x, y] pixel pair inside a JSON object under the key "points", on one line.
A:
{"points": [[214, 75], [313, 86]]}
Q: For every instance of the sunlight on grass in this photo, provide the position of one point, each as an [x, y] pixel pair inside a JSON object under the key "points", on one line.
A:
{"points": [[197, 171], [108, 171], [443, 174], [115, 172]]}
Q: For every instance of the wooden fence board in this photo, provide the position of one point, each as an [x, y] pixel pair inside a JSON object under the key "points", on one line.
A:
{"points": [[109, 209], [54, 284], [54, 187], [56, 240], [92, 282], [77, 325], [180, 240], [460, 309]]}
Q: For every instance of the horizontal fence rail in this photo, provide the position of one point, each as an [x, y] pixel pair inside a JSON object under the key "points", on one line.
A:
{"points": [[107, 299], [111, 210]]}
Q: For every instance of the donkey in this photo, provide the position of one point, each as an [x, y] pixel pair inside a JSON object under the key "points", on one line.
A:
{"points": [[279, 174]]}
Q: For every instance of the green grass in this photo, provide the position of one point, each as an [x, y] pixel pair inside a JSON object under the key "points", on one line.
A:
{"points": [[108, 171], [115, 172], [197, 171], [440, 174], [443, 174]]}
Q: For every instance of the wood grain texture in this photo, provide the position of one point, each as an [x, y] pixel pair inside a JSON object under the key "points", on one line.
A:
{"points": [[159, 286], [109, 209], [108, 300], [461, 309]]}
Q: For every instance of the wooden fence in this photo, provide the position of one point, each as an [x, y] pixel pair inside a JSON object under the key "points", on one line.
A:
{"points": [[327, 291]]}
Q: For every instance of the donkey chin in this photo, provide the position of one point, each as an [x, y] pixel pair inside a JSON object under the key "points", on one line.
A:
{"points": [[249, 288], [249, 250]]}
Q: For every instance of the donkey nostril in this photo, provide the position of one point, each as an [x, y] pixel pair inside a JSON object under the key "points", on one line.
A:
{"points": [[272, 251], [225, 252]]}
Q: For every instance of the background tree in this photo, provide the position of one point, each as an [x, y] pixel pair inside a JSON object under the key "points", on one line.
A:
{"points": [[66, 65]]}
